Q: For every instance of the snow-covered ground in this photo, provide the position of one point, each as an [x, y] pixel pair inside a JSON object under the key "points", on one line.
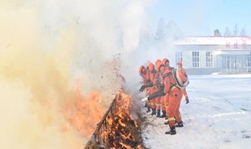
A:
{"points": [[217, 117]]}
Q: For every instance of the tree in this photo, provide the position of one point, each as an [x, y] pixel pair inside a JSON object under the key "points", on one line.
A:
{"points": [[236, 30], [160, 33], [167, 31], [227, 32], [243, 31], [173, 30], [217, 32]]}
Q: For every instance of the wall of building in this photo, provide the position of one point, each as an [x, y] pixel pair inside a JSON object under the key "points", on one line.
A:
{"points": [[187, 57], [201, 71], [202, 61]]}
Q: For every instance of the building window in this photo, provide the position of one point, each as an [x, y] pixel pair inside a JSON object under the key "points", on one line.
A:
{"points": [[209, 59], [249, 60], [196, 59], [178, 56]]}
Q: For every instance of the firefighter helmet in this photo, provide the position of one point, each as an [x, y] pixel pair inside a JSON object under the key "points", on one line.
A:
{"points": [[158, 64], [179, 63], [141, 70], [165, 61], [151, 67]]}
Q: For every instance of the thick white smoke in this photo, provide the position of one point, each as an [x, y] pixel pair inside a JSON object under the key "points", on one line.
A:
{"points": [[44, 45]]}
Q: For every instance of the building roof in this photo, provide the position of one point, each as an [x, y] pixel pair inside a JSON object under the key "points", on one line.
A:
{"points": [[214, 40]]}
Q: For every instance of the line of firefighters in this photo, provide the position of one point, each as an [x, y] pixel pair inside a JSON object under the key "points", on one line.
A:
{"points": [[162, 92]]}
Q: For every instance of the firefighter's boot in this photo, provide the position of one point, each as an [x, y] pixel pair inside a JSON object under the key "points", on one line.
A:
{"points": [[153, 111], [179, 124], [158, 113], [148, 109], [164, 114], [172, 131]]}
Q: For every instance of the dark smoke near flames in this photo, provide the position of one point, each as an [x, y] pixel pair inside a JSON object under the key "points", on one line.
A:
{"points": [[60, 64]]}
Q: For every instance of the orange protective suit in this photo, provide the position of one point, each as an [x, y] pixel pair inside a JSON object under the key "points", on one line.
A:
{"points": [[159, 100], [183, 77], [184, 92], [157, 83], [182, 74], [153, 89], [174, 97], [145, 74], [165, 103], [165, 99]]}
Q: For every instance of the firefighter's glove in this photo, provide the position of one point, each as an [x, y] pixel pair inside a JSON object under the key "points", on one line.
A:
{"points": [[144, 99], [142, 88], [160, 86], [148, 81], [187, 101]]}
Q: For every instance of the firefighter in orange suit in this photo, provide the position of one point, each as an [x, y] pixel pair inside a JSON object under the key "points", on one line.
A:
{"points": [[159, 84], [144, 73], [166, 64], [174, 95], [153, 86], [183, 76]]}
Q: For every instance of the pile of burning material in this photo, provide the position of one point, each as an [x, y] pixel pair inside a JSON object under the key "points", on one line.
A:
{"points": [[117, 129]]}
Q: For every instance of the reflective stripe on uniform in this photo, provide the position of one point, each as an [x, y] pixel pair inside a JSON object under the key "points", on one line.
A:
{"points": [[173, 87], [171, 119]]}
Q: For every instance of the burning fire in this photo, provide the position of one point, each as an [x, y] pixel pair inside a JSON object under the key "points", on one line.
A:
{"points": [[117, 129], [113, 129], [121, 136], [84, 112]]}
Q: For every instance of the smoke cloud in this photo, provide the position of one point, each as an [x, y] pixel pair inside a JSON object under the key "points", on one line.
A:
{"points": [[45, 46]]}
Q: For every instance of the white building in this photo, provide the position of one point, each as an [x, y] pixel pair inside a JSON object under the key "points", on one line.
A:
{"points": [[214, 54]]}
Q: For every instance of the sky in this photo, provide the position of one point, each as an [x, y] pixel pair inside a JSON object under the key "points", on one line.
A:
{"points": [[202, 17], [217, 117]]}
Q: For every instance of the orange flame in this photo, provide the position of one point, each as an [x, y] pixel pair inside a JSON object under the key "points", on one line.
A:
{"points": [[84, 112]]}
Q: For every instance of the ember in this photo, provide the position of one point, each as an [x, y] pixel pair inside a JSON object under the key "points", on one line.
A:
{"points": [[117, 129]]}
